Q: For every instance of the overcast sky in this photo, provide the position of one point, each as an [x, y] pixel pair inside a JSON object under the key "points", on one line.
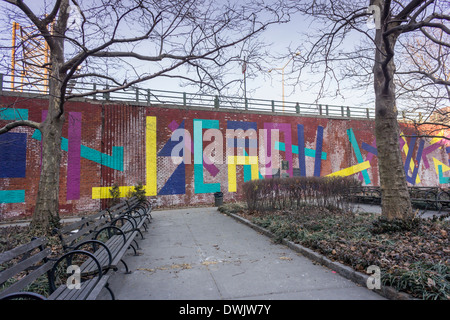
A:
{"points": [[267, 85]]}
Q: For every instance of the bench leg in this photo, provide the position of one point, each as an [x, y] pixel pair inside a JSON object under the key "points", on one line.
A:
{"points": [[137, 245], [110, 291], [134, 249], [127, 271]]}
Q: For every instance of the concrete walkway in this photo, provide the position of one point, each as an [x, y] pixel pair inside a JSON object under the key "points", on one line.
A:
{"points": [[200, 253]]}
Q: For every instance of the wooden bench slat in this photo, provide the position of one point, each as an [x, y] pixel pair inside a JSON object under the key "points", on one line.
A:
{"points": [[8, 255], [23, 265], [25, 281]]}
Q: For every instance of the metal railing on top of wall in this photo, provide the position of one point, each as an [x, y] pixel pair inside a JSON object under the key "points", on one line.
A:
{"points": [[153, 96]]}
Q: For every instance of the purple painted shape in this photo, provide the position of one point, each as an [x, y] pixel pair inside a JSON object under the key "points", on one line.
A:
{"points": [[286, 128], [207, 163], [74, 156], [401, 143], [369, 158], [430, 149], [173, 126]]}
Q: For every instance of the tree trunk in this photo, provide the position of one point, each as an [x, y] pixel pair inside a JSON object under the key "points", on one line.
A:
{"points": [[395, 200], [46, 212]]}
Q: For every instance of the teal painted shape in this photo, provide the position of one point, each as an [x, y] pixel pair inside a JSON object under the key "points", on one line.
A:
{"points": [[248, 171], [442, 179], [359, 158], [199, 185], [308, 152], [115, 161], [12, 196], [14, 114]]}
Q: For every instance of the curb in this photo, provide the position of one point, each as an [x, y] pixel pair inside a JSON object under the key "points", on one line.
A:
{"points": [[343, 270]]}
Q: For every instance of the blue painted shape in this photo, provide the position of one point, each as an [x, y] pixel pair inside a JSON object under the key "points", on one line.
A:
{"points": [[244, 125], [242, 143], [239, 142], [113, 161], [176, 183], [301, 150], [318, 159], [12, 196], [359, 158], [13, 155], [412, 179], [447, 149], [369, 148], [13, 114], [166, 151]]}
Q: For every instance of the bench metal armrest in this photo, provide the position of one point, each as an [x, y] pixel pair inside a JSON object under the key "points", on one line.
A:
{"points": [[67, 258], [98, 242], [111, 227], [24, 295]]}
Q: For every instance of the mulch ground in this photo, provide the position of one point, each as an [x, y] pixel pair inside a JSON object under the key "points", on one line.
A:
{"points": [[413, 256]]}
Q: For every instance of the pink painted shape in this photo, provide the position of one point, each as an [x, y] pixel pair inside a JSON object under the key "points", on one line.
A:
{"points": [[286, 128]]}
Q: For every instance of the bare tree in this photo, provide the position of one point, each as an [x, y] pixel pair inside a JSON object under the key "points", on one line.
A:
{"points": [[125, 43], [335, 53], [426, 90]]}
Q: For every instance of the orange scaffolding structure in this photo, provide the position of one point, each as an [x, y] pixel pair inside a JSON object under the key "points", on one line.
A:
{"points": [[29, 60]]}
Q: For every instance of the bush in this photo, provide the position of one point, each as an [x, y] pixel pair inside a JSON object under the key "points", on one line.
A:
{"points": [[296, 192], [115, 195], [139, 192]]}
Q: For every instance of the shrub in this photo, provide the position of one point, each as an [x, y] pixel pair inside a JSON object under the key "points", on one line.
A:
{"points": [[297, 192], [115, 194], [139, 192]]}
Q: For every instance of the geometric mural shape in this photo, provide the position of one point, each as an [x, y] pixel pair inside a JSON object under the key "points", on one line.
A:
{"points": [[13, 153]]}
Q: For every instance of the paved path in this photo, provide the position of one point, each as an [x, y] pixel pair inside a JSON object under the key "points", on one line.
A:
{"points": [[199, 253]]}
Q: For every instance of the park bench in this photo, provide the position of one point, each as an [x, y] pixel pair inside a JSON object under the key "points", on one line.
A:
{"points": [[106, 236], [32, 262], [366, 194], [143, 207]]}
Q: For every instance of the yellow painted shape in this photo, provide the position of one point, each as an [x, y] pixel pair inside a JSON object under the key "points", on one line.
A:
{"points": [[150, 157], [231, 178], [434, 140], [104, 192], [437, 163], [233, 161], [150, 167], [351, 170]]}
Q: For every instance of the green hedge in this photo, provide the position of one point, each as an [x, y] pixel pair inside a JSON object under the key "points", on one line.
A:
{"points": [[292, 193]]}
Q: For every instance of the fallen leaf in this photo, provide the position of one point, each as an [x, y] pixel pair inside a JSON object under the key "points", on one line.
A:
{"points": [[285, 258]]}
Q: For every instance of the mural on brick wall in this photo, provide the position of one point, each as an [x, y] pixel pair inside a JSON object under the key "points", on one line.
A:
{"points": [[184, 156]]}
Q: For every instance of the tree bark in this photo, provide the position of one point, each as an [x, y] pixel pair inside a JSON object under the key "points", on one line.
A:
{"points": [[396, 203], [46, 212]]}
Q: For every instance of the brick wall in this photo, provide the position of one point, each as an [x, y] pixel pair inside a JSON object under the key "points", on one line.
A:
{"points": [[105, 144]]}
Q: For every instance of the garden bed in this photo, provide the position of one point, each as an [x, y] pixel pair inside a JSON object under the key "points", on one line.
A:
{"points": [[414, 257]]}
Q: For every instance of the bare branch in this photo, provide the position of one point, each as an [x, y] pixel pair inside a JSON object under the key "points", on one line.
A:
{"points": [[20, 123]]}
